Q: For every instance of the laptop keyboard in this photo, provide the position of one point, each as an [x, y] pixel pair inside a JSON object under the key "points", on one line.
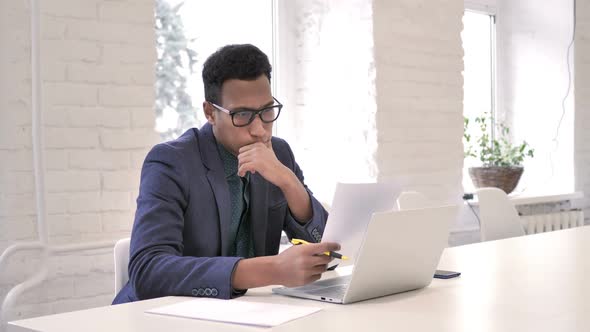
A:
{"points": [[334, 287], [336, 292]]}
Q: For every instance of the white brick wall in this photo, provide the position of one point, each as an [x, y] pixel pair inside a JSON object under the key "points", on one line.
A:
{"points": [[97, 72], [582, 102], [419, 95]]}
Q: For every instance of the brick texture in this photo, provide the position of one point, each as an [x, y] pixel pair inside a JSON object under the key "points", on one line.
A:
{"points": [[418, 70], [97, 79]]}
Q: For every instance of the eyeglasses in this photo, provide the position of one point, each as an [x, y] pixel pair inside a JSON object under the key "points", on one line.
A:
{"points": [[242, 117]]}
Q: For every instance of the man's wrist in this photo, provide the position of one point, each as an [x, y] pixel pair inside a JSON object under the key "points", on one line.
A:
{"points": [[256, 272], [287, 179], [274, 272]]}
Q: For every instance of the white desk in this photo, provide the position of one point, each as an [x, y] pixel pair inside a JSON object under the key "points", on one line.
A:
{"points": [[532, 283]]}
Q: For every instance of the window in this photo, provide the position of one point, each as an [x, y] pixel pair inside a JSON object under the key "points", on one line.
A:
{"points": [[479, 94], [210, 25]]}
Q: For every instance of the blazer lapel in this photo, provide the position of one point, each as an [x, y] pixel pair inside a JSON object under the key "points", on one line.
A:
{"points": [[216, 177], [258, 212]]}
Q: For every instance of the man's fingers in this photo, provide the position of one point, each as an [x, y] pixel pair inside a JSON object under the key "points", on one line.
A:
{"points": [[248, 155], [244, 154], [320, 248], [252, 146], [246, 148], [318, 269], [320, 259], [246, 167], [329, 246]]}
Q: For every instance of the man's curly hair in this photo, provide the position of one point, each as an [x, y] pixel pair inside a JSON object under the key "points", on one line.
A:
{"points": [[239, 61]]}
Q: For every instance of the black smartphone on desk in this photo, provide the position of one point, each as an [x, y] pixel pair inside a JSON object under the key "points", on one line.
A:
{"points": [[443, 274]]}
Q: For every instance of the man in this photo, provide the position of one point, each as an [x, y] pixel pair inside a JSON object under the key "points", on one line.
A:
{"points": [[212, 203]]}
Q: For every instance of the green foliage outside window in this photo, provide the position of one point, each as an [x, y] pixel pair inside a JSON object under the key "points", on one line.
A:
{"points": [[174, 108]]}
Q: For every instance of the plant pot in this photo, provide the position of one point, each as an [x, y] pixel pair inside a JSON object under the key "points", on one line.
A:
{"points": [[503, 177]]}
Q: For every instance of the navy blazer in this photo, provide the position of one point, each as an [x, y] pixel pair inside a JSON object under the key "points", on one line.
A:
{"points": [[179, 241]]}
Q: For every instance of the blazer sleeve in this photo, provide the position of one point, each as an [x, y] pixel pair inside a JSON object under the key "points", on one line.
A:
{"points": [[313, 229], [157, 266]]}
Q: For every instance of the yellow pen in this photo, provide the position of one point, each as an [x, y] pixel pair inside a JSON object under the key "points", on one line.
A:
{"points": [[327, 253]]}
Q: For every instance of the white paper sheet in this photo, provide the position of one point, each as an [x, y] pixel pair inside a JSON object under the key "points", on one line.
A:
{"points": [[352, 208], [235, 311]]}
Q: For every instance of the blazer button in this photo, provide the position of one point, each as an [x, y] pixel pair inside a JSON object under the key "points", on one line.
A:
{"points": [[214, 292], [201, 292], [207, 291], [316, 235], [195, 292]]}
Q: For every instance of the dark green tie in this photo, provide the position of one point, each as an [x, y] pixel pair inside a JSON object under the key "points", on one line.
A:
{"points": [[239, 232], [244, 246]]}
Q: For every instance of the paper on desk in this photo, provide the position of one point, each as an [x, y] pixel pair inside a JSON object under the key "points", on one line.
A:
{"points": [[236, 311], [352, 208]]}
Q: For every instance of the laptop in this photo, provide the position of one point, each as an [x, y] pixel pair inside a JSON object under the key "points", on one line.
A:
{"points": [[400, 252]]}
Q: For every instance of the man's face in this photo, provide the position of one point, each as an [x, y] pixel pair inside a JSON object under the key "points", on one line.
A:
{"points": [[241, 94]]}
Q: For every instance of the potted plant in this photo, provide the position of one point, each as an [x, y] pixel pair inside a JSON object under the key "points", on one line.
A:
{"points": [[501, 160]]}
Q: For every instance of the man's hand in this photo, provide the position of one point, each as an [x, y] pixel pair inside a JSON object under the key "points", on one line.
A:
{"points": [[302, 264], [296, 266], [260, 157]]}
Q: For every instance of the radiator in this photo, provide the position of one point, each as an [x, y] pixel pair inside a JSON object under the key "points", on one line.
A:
{"points": [[547, 222]]}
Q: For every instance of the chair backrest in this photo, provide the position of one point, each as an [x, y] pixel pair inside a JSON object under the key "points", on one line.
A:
{"points": [[498, 216], [411, 200], [121, 254], [326, 206]]}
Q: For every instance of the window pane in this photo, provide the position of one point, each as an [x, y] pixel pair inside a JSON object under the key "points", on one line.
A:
{"points": [[477, 36], [477, 74], [213, 24]]}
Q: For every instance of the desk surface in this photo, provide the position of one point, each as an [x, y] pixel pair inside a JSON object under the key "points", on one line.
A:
{"points": [[532, 283]]}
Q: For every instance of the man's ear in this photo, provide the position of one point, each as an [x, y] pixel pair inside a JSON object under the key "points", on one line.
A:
{"points": [[208, 110]]}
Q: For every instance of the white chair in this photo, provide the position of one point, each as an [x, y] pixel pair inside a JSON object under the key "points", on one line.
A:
{"points": [[411, 200], [498, 216], [326, 206], [121, 254]]}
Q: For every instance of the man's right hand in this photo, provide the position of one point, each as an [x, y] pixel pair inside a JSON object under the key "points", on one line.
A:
{"points": [[302, 264]]}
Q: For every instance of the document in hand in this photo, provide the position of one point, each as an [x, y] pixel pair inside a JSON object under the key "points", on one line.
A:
{"points": [[236, 311], [352, 208]]}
